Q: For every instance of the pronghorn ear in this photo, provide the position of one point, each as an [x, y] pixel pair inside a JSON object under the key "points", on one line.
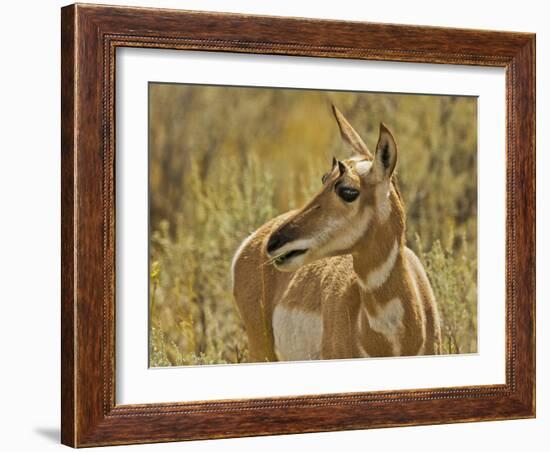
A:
{"points": [[349, 135], [385, 157]]}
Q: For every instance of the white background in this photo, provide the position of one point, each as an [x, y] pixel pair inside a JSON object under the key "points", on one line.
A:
{"points": [[138, 384], [29, 182]]}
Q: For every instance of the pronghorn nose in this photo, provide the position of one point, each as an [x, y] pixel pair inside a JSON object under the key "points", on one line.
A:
{"points": [[278, 239]]}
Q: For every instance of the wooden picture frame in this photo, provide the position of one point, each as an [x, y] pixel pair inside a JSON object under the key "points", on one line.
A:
{"points": [[90, 35]]}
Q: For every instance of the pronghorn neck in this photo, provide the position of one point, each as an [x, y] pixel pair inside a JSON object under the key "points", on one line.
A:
{"points": [[379, 266], [387, 293], [379, 254]]}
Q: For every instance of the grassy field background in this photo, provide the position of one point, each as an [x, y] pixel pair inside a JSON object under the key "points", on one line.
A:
{"points": [[224, 160]]}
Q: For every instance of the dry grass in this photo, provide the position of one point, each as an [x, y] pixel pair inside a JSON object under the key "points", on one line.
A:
{"points": [[225, 160]]}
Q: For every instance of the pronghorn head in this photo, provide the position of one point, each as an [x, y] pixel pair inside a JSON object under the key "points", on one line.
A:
{"points": [[358, 197]]}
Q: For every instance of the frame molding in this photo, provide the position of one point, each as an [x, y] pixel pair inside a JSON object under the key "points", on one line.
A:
{"points": [[90, 35]]}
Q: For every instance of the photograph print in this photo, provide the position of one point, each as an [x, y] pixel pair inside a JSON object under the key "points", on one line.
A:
{"points": [[296, 225]]}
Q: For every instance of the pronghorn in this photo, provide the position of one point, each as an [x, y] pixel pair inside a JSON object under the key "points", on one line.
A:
{"points": [[335, 278]]}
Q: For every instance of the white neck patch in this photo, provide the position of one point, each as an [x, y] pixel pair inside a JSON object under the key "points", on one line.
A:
{"points": [[389, 322], [377, 277]]}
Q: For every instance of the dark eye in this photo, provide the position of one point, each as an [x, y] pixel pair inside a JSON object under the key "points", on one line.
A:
{"points": [[324, 178], [347, 194]]}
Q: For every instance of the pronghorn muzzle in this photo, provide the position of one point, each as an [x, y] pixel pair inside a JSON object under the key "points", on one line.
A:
{"points": [[278, 239], [279, 246]]}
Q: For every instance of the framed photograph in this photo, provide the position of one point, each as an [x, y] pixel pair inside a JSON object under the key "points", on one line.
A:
{"points": [[281, 225]]}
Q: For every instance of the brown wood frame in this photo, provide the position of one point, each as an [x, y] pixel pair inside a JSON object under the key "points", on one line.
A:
{"points": [[90, 35]]}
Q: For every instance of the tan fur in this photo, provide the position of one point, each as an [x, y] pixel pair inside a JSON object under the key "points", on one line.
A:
{"points": [[397, 317]]}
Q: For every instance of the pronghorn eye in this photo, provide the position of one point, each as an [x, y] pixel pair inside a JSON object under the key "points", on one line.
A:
{"points": [[324, 178], [347, 194]]}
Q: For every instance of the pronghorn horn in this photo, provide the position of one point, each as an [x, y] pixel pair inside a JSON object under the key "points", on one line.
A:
{"points": [[334, 162], [349, 135], [341, 167]]}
